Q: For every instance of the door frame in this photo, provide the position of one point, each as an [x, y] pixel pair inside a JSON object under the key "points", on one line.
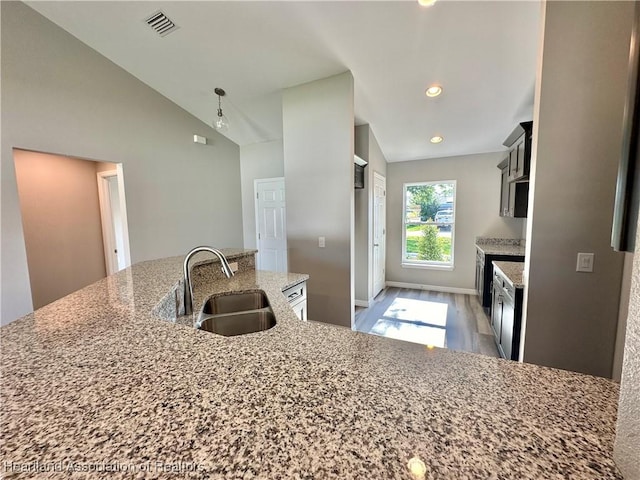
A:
{"points": [[108, 233], [256, 183], [378, 176]]}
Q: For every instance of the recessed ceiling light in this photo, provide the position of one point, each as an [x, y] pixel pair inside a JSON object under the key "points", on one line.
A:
{"points": [[436, 139], [426, 3], [433, 91]]}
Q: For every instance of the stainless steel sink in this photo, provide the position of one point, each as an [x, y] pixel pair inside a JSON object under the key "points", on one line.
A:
{"points": [[235, 302], [239, 323], [236, 313]]}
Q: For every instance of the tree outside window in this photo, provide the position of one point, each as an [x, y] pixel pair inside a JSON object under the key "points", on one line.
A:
{"points": [[428, 230]]}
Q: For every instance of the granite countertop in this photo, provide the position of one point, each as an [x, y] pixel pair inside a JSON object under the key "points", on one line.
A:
{"points": [[496, 249], [95, 382], [501, 246], [512, 271]]}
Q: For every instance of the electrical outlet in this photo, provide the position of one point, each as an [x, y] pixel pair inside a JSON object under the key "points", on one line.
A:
{"points": [[585, 262], [234, 266], [321, 242]]}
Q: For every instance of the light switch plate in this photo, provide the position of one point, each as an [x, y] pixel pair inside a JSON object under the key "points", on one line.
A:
{"points": [[321, 242], [585, 262]]}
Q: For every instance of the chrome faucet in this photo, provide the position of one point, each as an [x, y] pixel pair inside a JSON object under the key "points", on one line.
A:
{"points": [[188, 289]]}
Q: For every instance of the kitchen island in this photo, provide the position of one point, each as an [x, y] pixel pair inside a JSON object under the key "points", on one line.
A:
{"points": [[98, 384]]}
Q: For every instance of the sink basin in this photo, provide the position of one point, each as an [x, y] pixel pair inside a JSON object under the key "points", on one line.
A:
{"points": [[235, 302], [238, 323], [236, 314]]}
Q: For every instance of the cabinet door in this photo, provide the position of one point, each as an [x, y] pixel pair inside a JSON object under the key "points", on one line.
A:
{"points": [[506, 336], [513, 163], [480, 275], [511, 205], [300, 309], [496, 311], [520, 172], [505, 192]]}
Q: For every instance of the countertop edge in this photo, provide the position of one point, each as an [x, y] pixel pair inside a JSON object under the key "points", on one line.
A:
{"points": [[511, 271]]}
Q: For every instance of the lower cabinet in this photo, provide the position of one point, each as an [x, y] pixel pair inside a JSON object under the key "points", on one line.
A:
{"points": [[297, 297], [484, 273], [301, 309], [506, 316], [506, 330], [496, 311]]}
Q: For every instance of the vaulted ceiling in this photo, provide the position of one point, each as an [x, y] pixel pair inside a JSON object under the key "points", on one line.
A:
{"points": [[483, 54]]}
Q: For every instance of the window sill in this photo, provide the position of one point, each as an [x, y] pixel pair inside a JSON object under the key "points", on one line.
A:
{"points": [[446, 268]]}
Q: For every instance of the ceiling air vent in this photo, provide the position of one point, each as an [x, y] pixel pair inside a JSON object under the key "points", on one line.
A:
{"points": [[162, 24]]}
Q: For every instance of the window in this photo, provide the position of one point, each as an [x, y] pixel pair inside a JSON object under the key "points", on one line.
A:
{"points": [[428, 224]]}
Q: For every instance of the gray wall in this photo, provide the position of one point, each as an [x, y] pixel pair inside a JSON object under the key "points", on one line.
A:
{"points": [[571, 317], [62, 226], [367, 148], [62, 97], [258, 160], [477, 214], [318, 140]]}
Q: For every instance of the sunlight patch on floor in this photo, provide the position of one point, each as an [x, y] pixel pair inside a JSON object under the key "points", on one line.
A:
{"points": [[410, 332], [416, 321], [431, 313]]}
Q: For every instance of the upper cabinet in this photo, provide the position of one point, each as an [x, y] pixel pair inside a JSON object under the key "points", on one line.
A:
{"points": [[519, 144], [514, 196]]}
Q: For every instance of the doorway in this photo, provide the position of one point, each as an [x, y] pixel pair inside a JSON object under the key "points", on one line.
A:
{"points": [[379, 232], [62, 222], [271, 231], [113, 216]]}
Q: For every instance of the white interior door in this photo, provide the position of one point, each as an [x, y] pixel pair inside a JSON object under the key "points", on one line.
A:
{"points": [[271, 229], [379, 232], [116, 220], [113, 213]]}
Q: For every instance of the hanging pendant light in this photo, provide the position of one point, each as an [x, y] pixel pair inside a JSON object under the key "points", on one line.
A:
{"points": [[221, 123]]}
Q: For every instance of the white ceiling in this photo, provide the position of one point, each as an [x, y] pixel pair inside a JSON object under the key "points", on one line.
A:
{"points": [[482, 53]]}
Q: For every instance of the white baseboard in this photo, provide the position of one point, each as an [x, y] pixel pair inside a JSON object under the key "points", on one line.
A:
{"points": [[433, 288], [362, 303]]}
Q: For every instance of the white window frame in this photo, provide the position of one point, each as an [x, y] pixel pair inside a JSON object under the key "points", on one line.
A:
{"points": [[427, 264]]}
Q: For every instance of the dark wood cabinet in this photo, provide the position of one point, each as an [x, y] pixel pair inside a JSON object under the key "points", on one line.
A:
{"points": [[519, 145], [514, 169], [506, 316], [514, 196], [484, 273]]}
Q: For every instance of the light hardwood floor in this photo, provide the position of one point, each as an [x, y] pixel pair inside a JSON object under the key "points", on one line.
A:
{"points": [[449, 320]]}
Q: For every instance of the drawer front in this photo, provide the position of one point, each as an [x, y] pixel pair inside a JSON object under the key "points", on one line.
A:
{"points": [[296, 293]]}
